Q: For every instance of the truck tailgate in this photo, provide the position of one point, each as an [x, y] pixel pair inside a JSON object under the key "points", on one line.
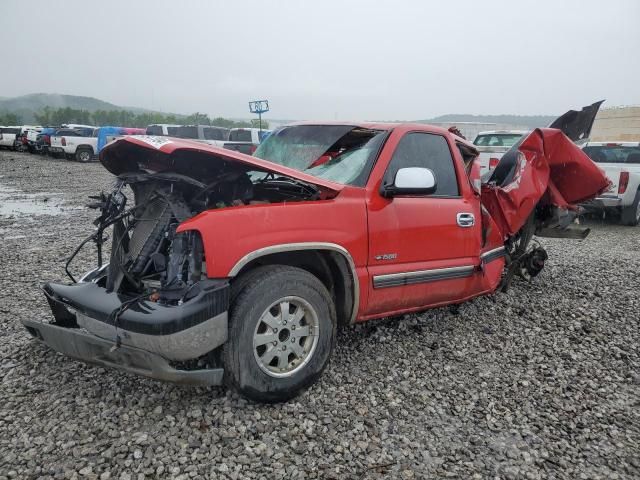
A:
{"points": [[613, 174]]}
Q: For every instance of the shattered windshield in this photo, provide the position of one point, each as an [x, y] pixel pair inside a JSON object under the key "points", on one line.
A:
{"points": [[340, 153]]}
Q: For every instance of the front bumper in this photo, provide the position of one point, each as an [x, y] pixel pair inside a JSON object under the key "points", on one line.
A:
{"points": [[144, 338], [74, 343]]}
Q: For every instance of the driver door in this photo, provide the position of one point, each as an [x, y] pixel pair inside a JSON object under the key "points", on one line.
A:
{"points": [[423, 249]]}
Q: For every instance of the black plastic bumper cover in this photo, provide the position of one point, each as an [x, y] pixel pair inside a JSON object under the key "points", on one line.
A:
{"points": [[144, 316], [91, 349]]}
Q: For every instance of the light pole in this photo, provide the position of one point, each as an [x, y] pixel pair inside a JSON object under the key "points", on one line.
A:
{"points": [[259, 107]]}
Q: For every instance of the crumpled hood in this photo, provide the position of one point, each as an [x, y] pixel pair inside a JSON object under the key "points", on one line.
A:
{"points": [[546, 168], [143, 153]]}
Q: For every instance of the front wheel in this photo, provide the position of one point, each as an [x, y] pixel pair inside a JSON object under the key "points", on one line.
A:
{"points": [[84, 155], [631, 214], [281, 333]]}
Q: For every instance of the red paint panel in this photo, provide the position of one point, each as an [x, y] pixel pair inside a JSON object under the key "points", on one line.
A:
{"points": [[228, 234], [551, 170]]}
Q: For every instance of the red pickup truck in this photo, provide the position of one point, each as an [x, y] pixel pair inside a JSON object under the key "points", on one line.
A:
{"points": [[235, 269]]}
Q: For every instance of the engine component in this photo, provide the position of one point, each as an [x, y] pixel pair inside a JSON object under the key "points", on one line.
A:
{"points": [[533, 263]]}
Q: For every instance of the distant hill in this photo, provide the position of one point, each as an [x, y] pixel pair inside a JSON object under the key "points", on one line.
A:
{"points": [[531, 121], [26, 106]]}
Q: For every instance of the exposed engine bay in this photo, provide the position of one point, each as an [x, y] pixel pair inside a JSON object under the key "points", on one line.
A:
{"points": [[147, 256]]}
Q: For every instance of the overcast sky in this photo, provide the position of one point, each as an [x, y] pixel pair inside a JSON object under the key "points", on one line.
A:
{"points": [[327, 59]]}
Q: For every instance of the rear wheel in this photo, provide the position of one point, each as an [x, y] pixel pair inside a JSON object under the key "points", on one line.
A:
{"points": [[631, 214], [84, 155], [281, 332]]}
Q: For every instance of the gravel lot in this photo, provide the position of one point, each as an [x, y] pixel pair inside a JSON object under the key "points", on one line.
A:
{"points": [[542, 382]]}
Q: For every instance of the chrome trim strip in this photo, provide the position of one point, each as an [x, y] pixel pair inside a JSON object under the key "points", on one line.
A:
{"points": [[289, 247], [493, 254], [421, 276]]}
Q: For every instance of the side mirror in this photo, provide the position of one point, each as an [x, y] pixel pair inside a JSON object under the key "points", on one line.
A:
{"points": [[411, 181]]}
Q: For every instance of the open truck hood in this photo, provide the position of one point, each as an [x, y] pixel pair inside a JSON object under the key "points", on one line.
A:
{"points": [[577, 124], [143, 153]]}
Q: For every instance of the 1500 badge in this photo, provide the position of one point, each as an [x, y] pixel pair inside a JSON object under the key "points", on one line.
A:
{"points": [[387, 256]]}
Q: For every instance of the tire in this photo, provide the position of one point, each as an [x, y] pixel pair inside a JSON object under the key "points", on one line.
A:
{"points": [[84, 155], [278, 370], [631, 214]]}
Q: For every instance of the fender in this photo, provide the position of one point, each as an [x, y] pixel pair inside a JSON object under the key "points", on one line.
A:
{"points": [[296, 247]]}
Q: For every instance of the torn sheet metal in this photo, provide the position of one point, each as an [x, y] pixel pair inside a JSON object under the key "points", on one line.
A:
{"points": [[546, 168]]}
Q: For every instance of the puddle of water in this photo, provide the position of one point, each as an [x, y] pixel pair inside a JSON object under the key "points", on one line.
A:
{"points": [[14, 203]]}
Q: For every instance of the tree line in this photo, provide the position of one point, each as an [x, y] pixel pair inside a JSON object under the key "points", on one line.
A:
{"points": [[7, 119], [126, 118]]}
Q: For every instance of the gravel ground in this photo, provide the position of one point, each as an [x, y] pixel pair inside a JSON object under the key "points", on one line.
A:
{"points": [[542, 382]]}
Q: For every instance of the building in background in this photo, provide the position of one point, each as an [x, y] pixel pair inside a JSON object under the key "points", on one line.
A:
{"points": [[617, 123]]}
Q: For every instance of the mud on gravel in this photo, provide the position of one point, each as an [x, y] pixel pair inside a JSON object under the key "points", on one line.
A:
{"points": [[541, 382]]}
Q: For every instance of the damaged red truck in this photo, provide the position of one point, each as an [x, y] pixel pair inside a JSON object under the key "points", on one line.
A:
{"points": [[232, 269]]}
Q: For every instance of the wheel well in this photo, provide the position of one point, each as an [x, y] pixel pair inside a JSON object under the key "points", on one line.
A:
{"points": [[331, 268]]}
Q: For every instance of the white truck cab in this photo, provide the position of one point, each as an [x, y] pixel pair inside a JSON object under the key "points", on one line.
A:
{"points": [[493, 144], [163, 129], [204, 133], [80, 143], [8, 135], [245, 140], [620, 161]]}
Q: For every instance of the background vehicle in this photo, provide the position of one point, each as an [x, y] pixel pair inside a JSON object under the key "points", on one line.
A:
{"points": [[8, 136], [43, 140], [79, 143], [204, 133], [107, 135], [247, 264], [493, 144], [21, 142], [32, 138], [620, 162], [162, 129], [77, 126], [245, 140]]}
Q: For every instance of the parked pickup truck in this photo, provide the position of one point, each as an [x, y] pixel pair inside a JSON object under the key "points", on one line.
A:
{"points": [[43, 140], [208, 134], [245, 140], [493, 144], [620, 162], [79, 143], [8, 136], [237, 269], [164, 129], [32, 138]]}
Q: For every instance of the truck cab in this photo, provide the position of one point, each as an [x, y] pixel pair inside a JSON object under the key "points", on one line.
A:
{"points": [[493, 144], [208, 134], [75, 142]]}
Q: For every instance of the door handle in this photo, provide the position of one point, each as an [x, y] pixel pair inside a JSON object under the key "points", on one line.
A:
{"points": [[465, 220]]}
